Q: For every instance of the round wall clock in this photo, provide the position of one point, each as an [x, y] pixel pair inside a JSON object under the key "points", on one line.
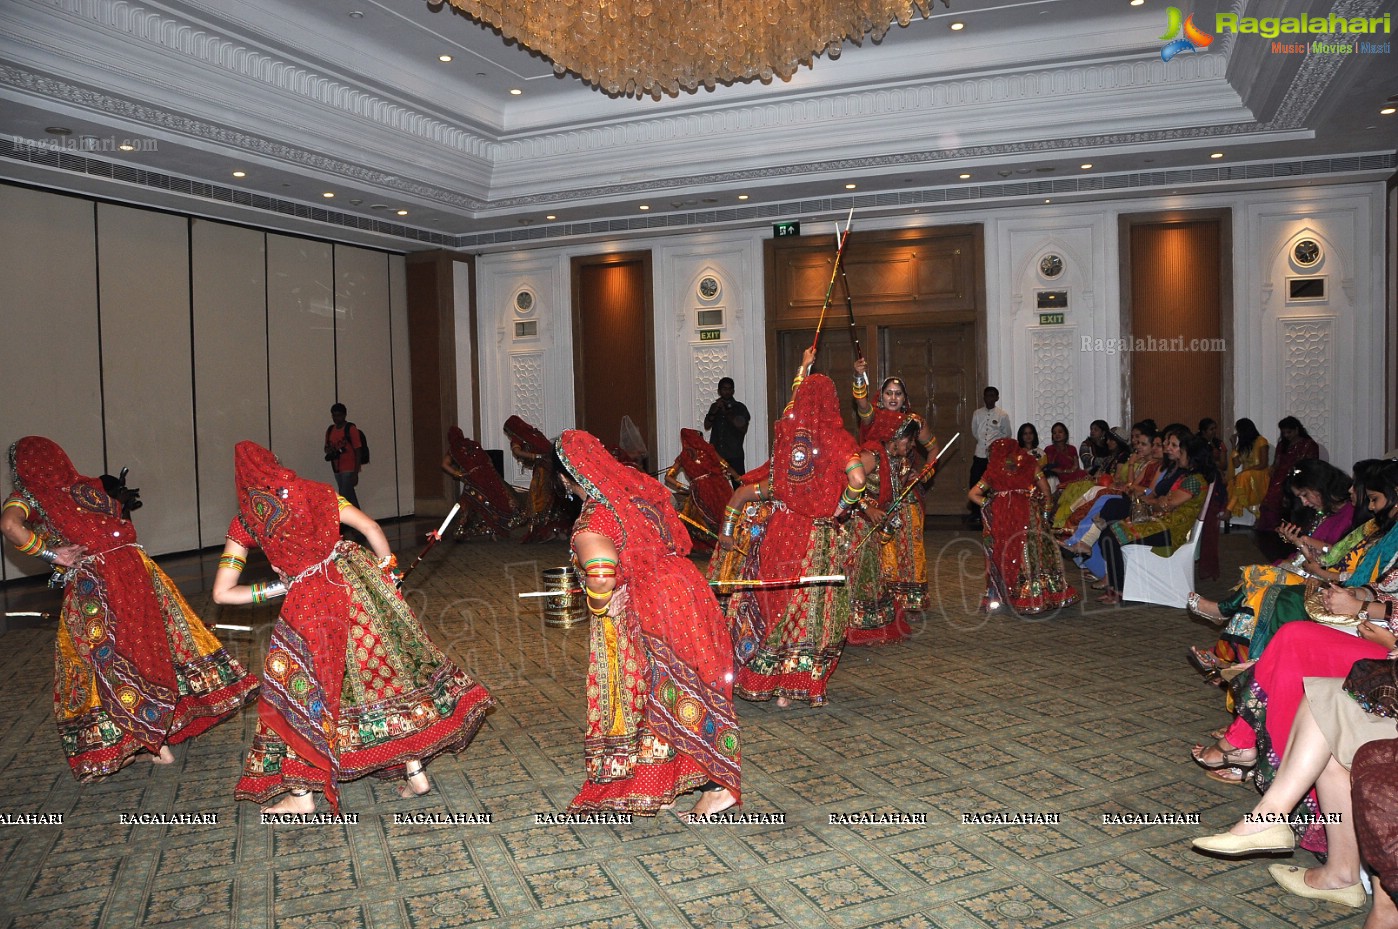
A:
{"points": [[1306, 252], [708, 288], [524, 301], [1051, 266]]}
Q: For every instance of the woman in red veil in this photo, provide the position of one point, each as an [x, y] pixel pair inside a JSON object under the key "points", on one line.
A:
{"points": [[789, 638], [532, 449], [708, 488], [488, 505], [135, 670], [352, 685], [660, 719]]}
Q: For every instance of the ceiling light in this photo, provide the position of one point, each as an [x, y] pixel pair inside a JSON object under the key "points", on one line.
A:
{"points": [[444, 58], [1048, 201], [1085, 165], [58, 130], [356, 201], [402, 212], [850, 186], [550, 216], [957, 26], [1388, 111], [1216, 155], [240, 174], [644, 206], [1138, 2], [127, 147], [515, 91], [742, 196], [964, 177], [356, 14], [328, 194]]}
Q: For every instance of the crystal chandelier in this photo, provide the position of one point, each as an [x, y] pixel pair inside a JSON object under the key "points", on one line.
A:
{"points": [[640, 47]]}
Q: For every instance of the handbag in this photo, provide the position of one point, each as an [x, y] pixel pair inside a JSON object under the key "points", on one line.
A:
{"points": [[1373, 683], [1315, 609]]}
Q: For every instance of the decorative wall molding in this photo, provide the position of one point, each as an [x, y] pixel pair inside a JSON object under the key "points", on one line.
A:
{"points": [[1308, 358], [1053, 350], [711, 362], [527, 387]]}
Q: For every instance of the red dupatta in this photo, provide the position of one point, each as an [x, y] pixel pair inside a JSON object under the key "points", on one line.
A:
{"points": [[1011, 475], [527, 436], [810, 450], [704, 468], [483, 482]]}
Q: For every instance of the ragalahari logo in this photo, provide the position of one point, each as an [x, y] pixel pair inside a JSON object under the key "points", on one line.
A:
{"points": [[1182, 36]]}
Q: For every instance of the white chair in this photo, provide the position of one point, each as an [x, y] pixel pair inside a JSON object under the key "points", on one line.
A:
{"points": [[1167, 581]]}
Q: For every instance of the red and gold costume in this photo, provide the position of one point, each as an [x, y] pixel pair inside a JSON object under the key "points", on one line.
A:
{"points": [[351, 683], [709, 488], [902, 555], [790, 638], [660, 718], [135, 669], [547, 520], [490, 506], [1023, 566]]}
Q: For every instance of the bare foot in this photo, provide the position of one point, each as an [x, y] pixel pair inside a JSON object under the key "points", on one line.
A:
{"points": [[713, 801], [783, 702], [1384, 915], [292, 803], [164, 756], [415, 780]]}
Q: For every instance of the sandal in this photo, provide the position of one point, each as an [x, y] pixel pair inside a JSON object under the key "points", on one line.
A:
{"points": [[1191, 603], [1232, 774], [1232, 757], [1206, 663]]}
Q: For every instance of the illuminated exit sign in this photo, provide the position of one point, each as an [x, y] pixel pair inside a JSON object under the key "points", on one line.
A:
{"points": [[781, 230]]}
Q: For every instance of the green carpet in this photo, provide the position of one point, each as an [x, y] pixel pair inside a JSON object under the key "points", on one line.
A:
{"points": [[1088, 713]]}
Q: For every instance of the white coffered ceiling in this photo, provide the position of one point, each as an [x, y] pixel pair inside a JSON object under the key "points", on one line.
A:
{"points": [[348, 97]]}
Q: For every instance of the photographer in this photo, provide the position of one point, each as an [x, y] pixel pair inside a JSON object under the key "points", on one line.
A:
{"points": [[343, 442], [727, 422]]}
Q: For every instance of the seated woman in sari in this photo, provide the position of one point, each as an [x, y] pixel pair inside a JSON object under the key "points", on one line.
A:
{"points": [[1022, 564], [548, 518], [1294, 446], [1251, 615], [906, 576], [707, 489], [1270, 689], [1061, 459], [789, 638], [1250, 470], [1336, 717], [1133, 477], [352, 685], [1171, 512], [1074, 499], [876, 617], [660, 717], [488, 506], [135, 671]]}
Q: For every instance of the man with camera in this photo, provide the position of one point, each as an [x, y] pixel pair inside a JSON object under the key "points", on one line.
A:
{"points": [[343, 449], [727, 421]]}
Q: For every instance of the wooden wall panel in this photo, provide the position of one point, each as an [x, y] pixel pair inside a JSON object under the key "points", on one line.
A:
{"points": [[51, 377], [229, 291], [147, 367]]}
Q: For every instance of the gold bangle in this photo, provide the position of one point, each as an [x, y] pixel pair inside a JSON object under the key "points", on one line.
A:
{"points": [[596, 612], [594, 595]]}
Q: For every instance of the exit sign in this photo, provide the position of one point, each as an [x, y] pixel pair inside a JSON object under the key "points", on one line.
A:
{"points": [[710, 335], [1050, 319], [780, 230]]}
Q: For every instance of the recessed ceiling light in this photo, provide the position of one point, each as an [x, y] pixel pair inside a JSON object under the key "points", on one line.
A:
{"points": [[644, 206], [126, 147], [964, 177], [328, 195], [240, 174], [1138, 2], [1085, 165], [356, 201], [515, 91], [550, 216], [402, 212], [58, 130], [1216, 155], [1047, 200], [1388, 111], [957, 26], [850, 186], [356, 14], [444, 58], [742, 196]]}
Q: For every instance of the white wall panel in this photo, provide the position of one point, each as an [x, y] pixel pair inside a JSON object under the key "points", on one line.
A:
{"points": [[229, 291], [50, 379], [402, 385], [147, 375], [301, 352], [364, 368]]}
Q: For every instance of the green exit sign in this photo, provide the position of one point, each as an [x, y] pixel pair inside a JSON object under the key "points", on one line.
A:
{"points": [[1050, 319], [710, 335], [780, 230]]}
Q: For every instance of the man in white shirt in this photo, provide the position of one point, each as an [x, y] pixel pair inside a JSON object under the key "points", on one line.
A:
{"points": [[988, 423]]}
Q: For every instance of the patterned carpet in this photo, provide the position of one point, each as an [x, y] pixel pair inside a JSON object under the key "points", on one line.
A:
{"points": [[1085, 714]]}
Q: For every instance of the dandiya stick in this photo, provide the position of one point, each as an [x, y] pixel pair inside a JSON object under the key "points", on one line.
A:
{"points": [[433, 538], [783, 581], [232, 628], [830, 288], [849, 301], [927, 471]]}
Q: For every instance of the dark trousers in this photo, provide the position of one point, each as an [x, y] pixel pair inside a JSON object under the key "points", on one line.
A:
{"points": [[978, 466], [1116, 562], [345, 482]]}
